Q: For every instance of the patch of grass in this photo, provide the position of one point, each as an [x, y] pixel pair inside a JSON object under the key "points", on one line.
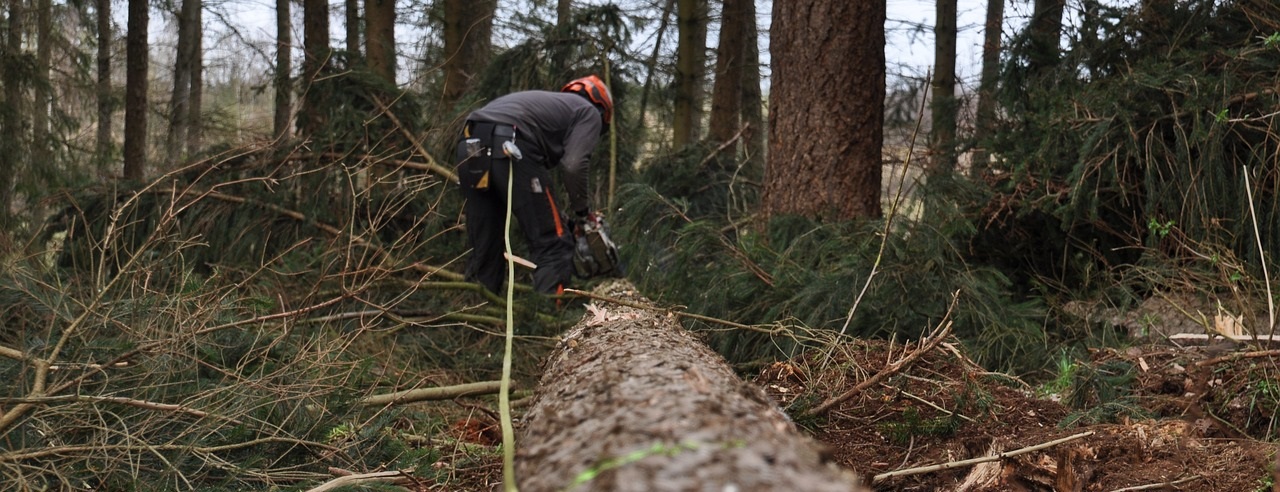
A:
{"points": [[1109, 412], [1064, 372], [1263, 396], [914, 425]]}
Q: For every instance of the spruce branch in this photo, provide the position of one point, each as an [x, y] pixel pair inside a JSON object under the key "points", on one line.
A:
{"points": [[940, 333]]}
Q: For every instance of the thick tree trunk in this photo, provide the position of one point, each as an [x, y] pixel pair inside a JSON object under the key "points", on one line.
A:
{"points": [[826, 109], [632, 402]]}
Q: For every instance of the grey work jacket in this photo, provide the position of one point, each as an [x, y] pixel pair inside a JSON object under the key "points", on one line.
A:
{"points": [[552, 128]]}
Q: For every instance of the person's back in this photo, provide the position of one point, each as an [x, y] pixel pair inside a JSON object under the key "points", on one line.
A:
{"points": [[547, 129], [552, 129]]}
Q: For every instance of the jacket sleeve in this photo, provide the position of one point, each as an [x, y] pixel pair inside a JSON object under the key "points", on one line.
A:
{"points": [[579, 141]]}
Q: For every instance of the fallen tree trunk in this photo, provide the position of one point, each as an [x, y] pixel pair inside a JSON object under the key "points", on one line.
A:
{"points": [[630, 401]]}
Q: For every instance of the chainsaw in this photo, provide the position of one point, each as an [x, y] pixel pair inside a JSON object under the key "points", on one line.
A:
{"points": [[595, 253]]}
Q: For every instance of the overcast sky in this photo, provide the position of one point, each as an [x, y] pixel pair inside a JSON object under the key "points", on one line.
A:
{"points": [[909, 30]]}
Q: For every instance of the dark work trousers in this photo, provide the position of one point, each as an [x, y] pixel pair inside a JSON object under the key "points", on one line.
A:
{"points": [[534, 209]]}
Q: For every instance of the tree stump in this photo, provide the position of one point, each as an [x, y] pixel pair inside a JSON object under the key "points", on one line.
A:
{"points": [[630, 401]]}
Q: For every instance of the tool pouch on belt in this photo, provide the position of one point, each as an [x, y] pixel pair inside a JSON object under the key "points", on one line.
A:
{"points": [[480, 146]]}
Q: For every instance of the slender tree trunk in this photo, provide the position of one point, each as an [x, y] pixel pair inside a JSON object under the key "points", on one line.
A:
{"points": [[106, 101], [12, 133], [284, 67], [825, 116], [726, 94], [1154, 24], [652, 65], [195, 105], [943, 108], [42, 150], [316, 52], [179, 101], [752, 105], [562, 41], [691, 18], [564, 12], [984, 123], [1046, 33], [353, 27], [380, 37], [468, 29], [135, 95]]}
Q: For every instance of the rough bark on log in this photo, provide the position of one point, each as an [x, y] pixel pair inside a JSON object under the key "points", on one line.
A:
{"points": [[630, 401]]}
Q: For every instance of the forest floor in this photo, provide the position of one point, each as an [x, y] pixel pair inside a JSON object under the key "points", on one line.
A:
{"points": [[1153, 416], [1175, 419]]}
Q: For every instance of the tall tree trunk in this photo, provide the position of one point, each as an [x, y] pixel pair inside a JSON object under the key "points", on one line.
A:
{"points": [[106, 101], [42, 149], [316, 52], [564, 12], [12, 133], [691, 20], [562, 40], [825, 118], [135, 91], [1046, 33], [637, 384], [652, 64], [942, 137], [353, 27], [284, 67], [752, 105], [985, 120], [468, 28], [195, 105], [179, 101], [726, 93], [380, 38]]}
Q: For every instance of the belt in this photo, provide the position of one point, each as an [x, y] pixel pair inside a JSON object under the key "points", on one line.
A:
{"points": [[488, 129]]}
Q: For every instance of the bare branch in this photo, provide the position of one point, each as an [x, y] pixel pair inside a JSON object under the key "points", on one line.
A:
{"points": [[974, 461], [425, 394], [939, 334]]}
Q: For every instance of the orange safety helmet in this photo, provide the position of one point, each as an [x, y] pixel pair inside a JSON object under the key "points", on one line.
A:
{"points": [[592, 88]]}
